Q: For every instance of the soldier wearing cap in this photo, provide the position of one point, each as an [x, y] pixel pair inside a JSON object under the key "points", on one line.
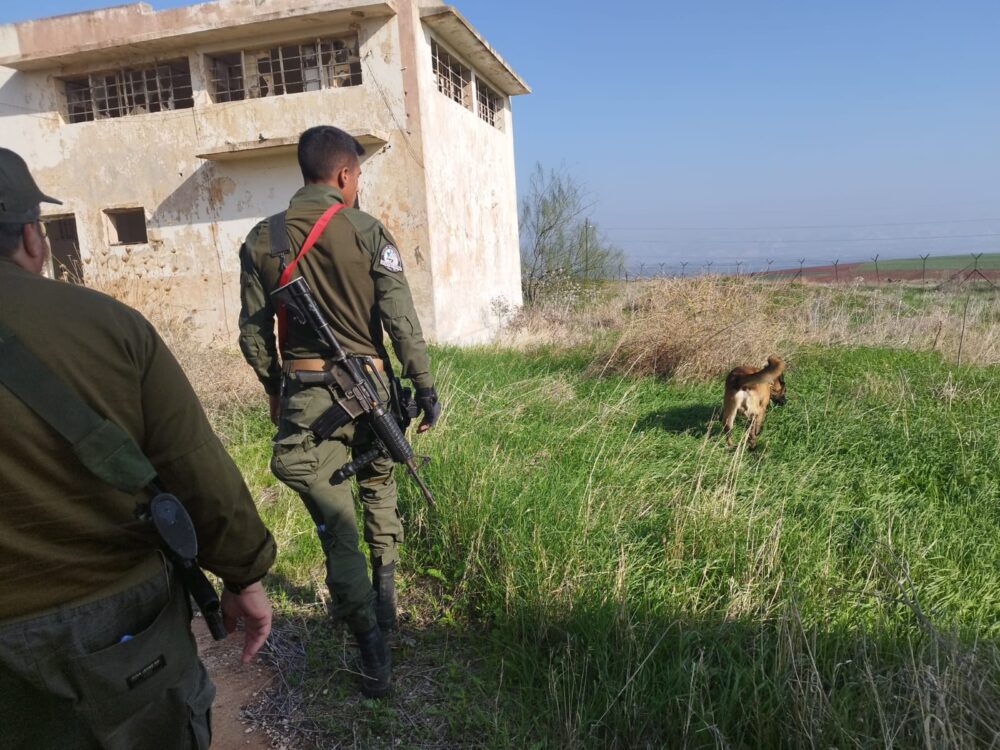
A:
{"points": [[356, 274], [96, 648]]}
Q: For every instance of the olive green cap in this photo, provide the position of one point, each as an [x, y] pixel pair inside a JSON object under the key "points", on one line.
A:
{"points": [[19, 195]]}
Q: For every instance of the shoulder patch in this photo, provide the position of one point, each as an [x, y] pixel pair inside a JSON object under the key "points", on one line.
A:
{"points": [[389, 259]]}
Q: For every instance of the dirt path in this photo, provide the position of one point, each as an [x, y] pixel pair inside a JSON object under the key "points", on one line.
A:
{"points": [[236, 685]]}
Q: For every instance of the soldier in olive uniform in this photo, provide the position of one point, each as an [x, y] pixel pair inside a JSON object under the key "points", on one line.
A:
{"points": [[96, 649], [356, 275]]}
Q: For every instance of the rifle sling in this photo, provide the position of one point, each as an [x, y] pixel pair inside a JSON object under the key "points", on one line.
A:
{"points": [[279, 247], [103, 447]]}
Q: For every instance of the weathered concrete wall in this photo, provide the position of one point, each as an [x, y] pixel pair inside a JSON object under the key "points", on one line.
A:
{"points": [[443, 182], [471, 210], [199, 210]]}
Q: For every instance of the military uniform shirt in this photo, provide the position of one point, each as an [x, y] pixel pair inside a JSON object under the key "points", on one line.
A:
{"points": [[65, 535], [357, 278]]}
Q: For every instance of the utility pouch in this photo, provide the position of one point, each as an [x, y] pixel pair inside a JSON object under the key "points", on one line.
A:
{"points": [[128, 677]]}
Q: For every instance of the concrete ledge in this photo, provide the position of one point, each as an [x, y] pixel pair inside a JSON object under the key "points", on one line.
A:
{"points": [[86, 40], [283, 145]]}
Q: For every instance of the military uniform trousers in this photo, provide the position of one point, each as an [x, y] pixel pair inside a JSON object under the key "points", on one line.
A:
{"points": [[70, 679], [306, 466]]}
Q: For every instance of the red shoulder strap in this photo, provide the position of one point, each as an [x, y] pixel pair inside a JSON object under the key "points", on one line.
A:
{"points": [[286, 275]]}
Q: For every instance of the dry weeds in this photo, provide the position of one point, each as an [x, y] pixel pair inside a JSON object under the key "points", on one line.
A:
{"points": [[697, 328]]}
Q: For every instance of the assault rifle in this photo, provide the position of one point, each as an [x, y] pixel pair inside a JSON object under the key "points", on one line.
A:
{"points": [[364, 388]]}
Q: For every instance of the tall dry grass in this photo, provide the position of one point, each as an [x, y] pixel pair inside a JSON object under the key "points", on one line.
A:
{"points": [[696, 328]]}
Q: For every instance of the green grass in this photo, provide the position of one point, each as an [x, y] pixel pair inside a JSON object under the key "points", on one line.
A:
{"points": [[935, 263], [602, 574]]}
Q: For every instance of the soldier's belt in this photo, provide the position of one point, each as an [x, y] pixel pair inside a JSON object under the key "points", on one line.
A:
{"points": [[318, 365]]}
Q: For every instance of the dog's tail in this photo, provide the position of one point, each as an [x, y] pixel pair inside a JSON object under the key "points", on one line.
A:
{"points": [[775, 367]]}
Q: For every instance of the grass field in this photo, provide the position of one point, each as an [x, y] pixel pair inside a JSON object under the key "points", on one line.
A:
{"points": [[989, 261], [603, 573]]}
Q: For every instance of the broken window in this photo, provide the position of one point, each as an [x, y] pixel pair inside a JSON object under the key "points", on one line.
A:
{"points": [[288, 69], [227, 77], [65, 245], [130, 91], [490, 104], [127, 226], [454, 79]]}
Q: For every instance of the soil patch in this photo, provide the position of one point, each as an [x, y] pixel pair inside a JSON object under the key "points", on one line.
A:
{"points": [[237, 685]]}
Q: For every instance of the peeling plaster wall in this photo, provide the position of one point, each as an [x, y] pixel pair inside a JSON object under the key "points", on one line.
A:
{"points": [[443, 183], [471, 210], [198, 211]]}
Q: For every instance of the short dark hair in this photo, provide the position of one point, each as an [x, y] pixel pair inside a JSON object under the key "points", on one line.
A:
{"points": [[324, 150], [10, 236]]}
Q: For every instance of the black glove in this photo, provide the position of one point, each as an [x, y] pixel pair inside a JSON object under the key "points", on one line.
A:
{"points": [[427, 402]]}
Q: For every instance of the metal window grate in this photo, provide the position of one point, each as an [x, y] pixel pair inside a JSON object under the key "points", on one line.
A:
{"points": [[454, 80], [131, 91], [490, 104], [288, 69]]}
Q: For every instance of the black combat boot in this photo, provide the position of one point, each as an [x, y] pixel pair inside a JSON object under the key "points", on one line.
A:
{"points": [[384, 583], [376, 663]]}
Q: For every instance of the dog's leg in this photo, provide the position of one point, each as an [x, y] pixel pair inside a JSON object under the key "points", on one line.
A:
{"points": [[728, 417], [756, 425], [752, 432]]}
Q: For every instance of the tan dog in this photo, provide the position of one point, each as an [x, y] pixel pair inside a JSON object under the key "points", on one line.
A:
{"points": [[749, 390]]}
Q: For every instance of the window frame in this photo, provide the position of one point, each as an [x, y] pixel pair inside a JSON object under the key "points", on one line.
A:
{"points": [[331, 67], [114, 233], [494, 102], [460, 80], [111, 93]]}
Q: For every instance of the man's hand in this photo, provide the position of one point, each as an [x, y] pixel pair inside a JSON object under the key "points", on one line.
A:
{"points": [[427, 401], [252, 606], [274, 404]]}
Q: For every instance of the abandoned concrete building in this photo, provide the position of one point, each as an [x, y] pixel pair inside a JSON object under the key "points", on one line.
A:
{"points": [[169, 134]]}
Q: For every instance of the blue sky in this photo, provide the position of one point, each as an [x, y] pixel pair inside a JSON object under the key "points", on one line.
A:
{"points": [[749, 130]]}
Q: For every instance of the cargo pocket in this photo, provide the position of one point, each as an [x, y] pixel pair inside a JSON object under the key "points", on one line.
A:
{"points": [[294, 460], [118, 682], [200, 709]]}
